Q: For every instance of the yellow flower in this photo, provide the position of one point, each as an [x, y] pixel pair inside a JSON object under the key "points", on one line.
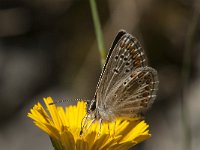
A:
{"points": [[63, 127]]}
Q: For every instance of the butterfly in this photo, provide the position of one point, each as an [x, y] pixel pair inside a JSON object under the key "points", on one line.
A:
{"points": [[127, 86]]}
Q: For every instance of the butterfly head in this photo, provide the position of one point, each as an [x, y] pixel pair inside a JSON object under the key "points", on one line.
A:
{"points": [[91, 109]]}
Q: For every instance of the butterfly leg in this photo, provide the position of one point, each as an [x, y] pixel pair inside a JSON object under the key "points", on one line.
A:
{"points": [[100, 124], [90, 124], [83, 123]]}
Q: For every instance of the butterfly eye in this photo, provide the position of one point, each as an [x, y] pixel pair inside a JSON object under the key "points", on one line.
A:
{"points": [[91, 105]]}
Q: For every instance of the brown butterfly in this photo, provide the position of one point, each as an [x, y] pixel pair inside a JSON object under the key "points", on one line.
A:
{"points": [[127, 86]]}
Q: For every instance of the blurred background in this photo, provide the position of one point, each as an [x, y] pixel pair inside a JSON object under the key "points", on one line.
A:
{"points": [[48, 48]]}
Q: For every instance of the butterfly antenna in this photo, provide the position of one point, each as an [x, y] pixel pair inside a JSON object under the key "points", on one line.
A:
{"points": [[66, 100]]}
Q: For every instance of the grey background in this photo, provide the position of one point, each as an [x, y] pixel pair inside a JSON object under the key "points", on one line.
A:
{"points": [[48, 48]]}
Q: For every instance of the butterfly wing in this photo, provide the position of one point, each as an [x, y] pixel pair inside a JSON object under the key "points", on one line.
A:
{"points": [[125, 56], [134, 94], [116, 40]]}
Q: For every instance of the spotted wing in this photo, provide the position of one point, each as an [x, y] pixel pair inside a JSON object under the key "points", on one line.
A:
{"points": [[134, 94], [125, 56]]}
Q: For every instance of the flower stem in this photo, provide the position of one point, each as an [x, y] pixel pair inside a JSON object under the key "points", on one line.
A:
{"points": [[185, 77], [98, 31]]}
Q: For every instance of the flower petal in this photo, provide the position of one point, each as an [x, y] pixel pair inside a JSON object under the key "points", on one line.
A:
{"points": [[63, 126]]}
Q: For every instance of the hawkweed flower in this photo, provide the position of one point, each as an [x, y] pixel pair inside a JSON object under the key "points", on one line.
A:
{"points": [[63, 127]]}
